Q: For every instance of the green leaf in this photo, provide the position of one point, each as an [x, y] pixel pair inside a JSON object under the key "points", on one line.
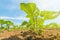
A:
{"points": [[24, 23], [49, 14], [28, 8]]}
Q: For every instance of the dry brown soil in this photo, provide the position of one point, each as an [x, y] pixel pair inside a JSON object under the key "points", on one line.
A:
{"points": [[48, 34]]}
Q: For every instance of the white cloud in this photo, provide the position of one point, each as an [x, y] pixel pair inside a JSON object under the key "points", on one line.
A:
{"points": [[52, 5], [14, 18]]}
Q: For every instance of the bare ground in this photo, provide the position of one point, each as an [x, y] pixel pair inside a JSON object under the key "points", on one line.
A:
{"points": [[48, 34]]}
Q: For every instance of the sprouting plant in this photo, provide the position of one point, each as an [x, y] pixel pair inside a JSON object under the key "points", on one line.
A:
{"points": [[36, 16], [5, 24], [2, 22], [8, 24]]}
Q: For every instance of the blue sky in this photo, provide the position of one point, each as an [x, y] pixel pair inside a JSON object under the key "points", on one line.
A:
{"points": [[10, 9]]}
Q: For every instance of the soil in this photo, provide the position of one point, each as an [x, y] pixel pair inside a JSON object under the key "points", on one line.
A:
{"points": [[47, 34]]}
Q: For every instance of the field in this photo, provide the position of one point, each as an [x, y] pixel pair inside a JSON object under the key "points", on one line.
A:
{"points": [[47, 34], [33, 28]]}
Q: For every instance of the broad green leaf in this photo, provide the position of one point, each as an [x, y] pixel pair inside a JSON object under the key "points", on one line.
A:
{"points": [[32, 7], [28, 8], [49, 14]]}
